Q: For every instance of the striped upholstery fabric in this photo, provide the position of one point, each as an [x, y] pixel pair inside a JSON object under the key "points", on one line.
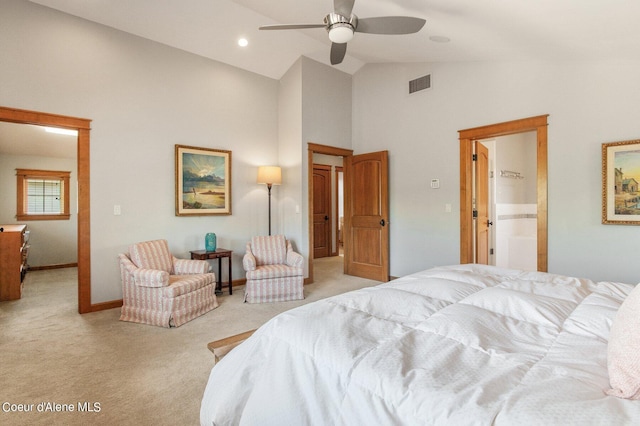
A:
{"points": [[274, 270], [188, 266], [155, 296], [271, 250], [152, 255]]}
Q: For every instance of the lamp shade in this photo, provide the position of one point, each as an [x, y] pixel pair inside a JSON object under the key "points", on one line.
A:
{"points": [[269, 175]]}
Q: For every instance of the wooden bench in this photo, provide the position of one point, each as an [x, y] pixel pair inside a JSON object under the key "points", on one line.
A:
{"points": [[223, 346]]}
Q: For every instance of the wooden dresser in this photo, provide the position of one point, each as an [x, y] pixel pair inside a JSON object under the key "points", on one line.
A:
{"points": [[13, 260]]}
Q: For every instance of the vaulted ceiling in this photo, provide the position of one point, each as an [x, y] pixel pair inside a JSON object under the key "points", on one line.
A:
{"points": [[476, 30]]}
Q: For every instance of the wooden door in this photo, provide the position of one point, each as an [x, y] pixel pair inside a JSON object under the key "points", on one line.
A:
{"points": [[321, 211], [366, 210], [482, 203]]}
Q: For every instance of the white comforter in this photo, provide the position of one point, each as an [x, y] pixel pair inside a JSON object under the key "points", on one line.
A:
{"points": [[456, 345]]}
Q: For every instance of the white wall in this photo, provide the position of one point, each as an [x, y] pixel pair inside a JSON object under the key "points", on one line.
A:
{"points": [[52, 242], [516, 153], [326, 116], [315, 106], [589, 102], [143, 98], [290, 156]]}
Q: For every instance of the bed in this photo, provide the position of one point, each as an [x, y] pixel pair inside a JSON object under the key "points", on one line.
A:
{"points": [[462, 344]]}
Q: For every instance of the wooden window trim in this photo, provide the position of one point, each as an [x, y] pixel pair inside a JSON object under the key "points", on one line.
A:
{"points": [[23, 175]]}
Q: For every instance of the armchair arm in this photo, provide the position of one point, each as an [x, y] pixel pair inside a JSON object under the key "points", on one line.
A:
{"points": [[293, 258], [140, 276], [150, 277], [249, 260], [126, 264], [190, 266]]}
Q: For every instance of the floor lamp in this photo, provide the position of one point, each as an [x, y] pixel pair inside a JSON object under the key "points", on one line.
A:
{"points": [[269, 175]]}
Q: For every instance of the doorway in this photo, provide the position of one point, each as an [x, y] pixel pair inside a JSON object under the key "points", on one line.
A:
{"points": [[323, 217], [468, 138], [328, 205], [366, 217], [512, 207], [336, 156], [83, 127], [513, 201], [339, 211]]}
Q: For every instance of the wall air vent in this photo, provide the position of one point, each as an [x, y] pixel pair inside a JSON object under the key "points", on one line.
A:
{"points": [[420, 83]]}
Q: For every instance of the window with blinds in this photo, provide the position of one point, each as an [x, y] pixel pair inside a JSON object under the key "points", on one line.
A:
{"points": [[42, 194]]}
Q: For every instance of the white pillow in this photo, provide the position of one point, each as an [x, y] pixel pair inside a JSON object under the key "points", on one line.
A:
{"points": [[623, 354]]}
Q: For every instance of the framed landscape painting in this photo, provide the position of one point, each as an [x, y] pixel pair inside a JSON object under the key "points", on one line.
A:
{"points": [[620, 182], [203, 181]]}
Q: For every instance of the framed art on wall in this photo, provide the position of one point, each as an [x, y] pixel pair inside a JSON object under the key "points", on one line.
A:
{"points": [[620, 182], [203, 181]]}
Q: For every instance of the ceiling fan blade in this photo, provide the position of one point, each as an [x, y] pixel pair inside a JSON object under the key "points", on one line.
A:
{"points": [[343, 7], [290, 26], [338, 50], [390, 25]]}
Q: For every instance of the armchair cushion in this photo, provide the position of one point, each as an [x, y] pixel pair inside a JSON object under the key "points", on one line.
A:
{"points": [[152, 255], [271, 250], [274, 271], [183, 284]]}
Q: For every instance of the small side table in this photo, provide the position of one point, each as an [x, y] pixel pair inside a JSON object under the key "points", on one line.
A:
{"points": [[218, 254]]}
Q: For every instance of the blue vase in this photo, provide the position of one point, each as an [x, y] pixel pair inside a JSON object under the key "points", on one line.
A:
{"points": [[210, 242]]}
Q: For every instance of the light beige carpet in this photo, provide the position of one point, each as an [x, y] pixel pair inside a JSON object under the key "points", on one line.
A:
{"points": [[128, 374]]}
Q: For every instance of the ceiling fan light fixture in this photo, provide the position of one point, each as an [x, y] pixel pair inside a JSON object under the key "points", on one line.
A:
{"points": [[341, 33]]}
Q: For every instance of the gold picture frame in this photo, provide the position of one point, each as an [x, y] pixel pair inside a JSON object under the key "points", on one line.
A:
{"points": [[621, 183], [203, 181]]}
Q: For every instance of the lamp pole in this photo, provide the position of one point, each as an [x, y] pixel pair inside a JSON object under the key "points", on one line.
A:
{"points": [[269, 189], [269, 175]]}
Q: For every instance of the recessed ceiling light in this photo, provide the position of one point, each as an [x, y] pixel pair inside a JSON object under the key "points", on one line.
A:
{"points": [[439, 39], [242, 42]]}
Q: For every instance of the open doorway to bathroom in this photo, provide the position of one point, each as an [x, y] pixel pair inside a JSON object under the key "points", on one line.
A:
{"points": [[468, 213], [512, 208]]}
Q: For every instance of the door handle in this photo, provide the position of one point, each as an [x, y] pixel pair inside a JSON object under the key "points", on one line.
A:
{"points": [[326, 218], [489, 223], [382, 222]]}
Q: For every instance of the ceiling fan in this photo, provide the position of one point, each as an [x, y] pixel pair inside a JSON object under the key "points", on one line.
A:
{"points": [[342, 24]]}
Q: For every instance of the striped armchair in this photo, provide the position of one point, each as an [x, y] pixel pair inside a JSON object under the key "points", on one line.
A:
{"points": [[160, 289], [274, 270]]}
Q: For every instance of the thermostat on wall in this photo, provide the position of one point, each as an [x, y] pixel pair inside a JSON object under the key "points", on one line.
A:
{"points": [[435, 183]]}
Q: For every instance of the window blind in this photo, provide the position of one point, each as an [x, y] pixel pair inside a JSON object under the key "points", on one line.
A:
{"points": [[44, 196]]}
